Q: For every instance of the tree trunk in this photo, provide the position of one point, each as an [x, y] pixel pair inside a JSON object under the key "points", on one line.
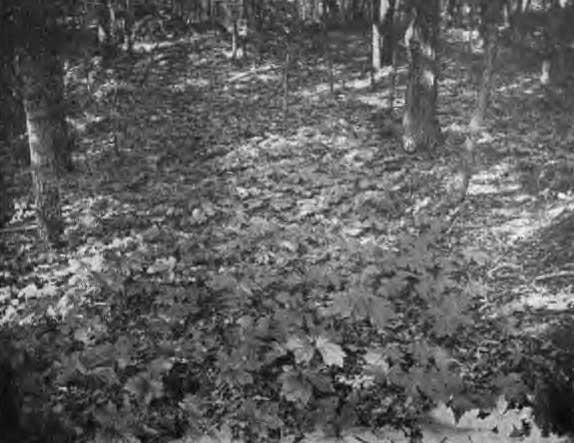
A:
{"points": [[42, 87], [5, 202], [383, 33], [388, 18], [376, 36], [112, 22], [453, 11], [177, 8], [490, 16], [108, 28], [103, 20], [420, 121], [234, 40], [127, 25]]}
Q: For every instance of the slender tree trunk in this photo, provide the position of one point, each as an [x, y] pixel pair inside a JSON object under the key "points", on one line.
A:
{"points": [[128, 25], [177, 8], [376, 36], [42, 87], [490, 17], [507, 13], [453, 11], [420, 121], [105, 37], [388, 18], [383, 33], [5, 202], [112, 23]]}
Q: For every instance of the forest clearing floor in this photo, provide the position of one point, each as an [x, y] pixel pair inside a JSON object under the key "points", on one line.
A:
{"points": [[198, 174]]}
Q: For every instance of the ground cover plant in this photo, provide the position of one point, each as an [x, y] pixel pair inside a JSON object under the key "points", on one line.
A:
{"points": [[250, 250]]}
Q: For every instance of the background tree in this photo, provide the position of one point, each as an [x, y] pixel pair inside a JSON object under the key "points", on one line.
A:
{"points": [[490, 17], [490, 12], [115, 20], [548, 28], [420, 121], [383, 32], [5, 201]]}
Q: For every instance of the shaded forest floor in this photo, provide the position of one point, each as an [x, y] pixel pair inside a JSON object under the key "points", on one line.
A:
{"points": [[190, 165]]}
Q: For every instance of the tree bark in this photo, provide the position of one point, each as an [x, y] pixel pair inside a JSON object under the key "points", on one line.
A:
{"points": [[388, 18], [420, 121], [103, 21], [5, 202], [107, 26], [376, 36], [383, 33], [48, 139], [490, 16], [453, 11]]}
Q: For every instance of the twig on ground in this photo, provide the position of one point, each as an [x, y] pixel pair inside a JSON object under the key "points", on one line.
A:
{"points": [[552, 275], [18, 229], [500, 266], [251, 72]]}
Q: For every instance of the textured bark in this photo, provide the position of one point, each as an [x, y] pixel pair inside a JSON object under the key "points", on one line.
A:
{"points": [[48, 139], [103, 21], [383, 33], [559, 35], [420, 122], [376, 37], [388, 42], [6, 208], [490, 16], [107, 26]]}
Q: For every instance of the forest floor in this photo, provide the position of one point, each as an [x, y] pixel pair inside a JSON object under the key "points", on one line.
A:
{"points": [[211, 166]]}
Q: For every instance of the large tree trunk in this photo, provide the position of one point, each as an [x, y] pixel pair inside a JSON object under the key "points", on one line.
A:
{"points": [[420, 121], [42, 90]]}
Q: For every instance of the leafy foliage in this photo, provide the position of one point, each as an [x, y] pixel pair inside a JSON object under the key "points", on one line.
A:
{"points": [[257, 273]]}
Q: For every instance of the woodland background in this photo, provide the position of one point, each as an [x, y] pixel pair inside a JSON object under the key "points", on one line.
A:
{"points": [[287, 221]]}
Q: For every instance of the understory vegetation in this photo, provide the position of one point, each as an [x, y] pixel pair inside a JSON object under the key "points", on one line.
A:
{"points": [[249, 255]]}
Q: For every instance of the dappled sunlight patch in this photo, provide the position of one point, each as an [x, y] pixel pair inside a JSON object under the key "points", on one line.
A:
{"points": [[495, 173], [524, 84], [148, 47], [379, 101], [231, 217], [317, 92], [493, 180], [248, 81], [563, 206], [539, 297], [181, 87], [359, 83], [82, 124], [518, 228], [491, 188], [501, 424]]}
